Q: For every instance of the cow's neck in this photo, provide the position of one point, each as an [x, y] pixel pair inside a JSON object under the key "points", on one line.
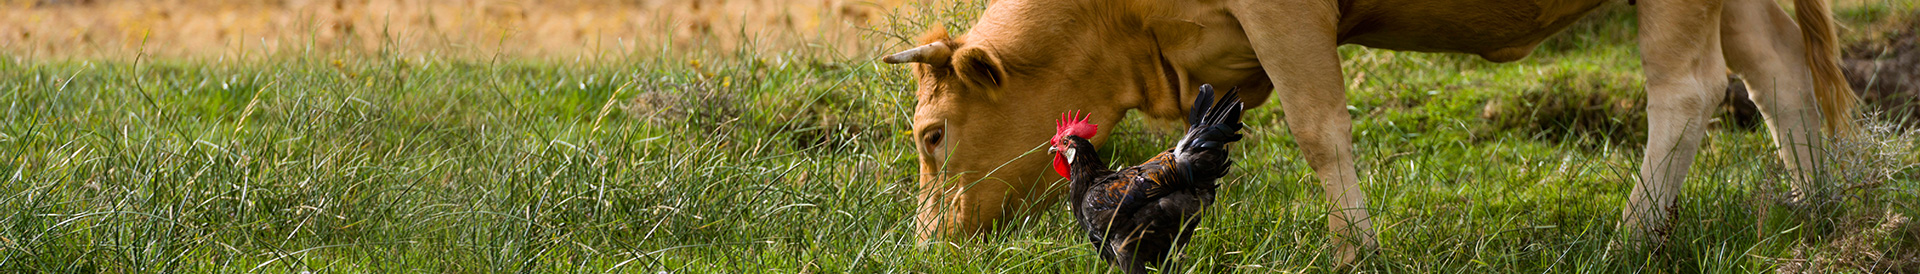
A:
{"points": [[1213, 51]]}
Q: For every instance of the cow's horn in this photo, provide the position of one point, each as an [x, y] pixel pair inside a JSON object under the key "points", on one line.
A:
{"points": [[928, 54]]}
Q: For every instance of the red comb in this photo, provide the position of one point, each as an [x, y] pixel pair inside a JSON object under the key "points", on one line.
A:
{"points": [[1075, 123]]}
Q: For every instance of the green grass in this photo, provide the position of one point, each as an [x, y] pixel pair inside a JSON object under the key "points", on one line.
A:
{"points": [[744, 163]]}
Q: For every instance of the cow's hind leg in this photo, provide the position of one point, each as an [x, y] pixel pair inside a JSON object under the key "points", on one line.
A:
{"points": [[1680, 50], [1765, 47], [1296, 42]]}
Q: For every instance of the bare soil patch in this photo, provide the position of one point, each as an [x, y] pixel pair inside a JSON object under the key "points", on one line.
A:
{"points": [[1882, 64]]}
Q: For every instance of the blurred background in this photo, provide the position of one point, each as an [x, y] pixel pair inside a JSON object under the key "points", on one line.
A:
{"points": [[214, 28]]}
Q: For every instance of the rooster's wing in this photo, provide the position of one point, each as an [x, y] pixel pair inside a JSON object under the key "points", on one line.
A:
{"points": [[1129, 189]]}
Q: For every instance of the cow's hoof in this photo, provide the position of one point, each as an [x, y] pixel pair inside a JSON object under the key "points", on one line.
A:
{"points": [[1346, 255]]}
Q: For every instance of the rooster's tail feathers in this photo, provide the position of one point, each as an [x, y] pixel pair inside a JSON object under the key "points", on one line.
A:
{"points": [[1212, 124], [1197, 113], [1206, 110]]}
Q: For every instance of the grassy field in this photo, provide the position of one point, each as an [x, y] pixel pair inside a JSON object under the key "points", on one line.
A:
{"points": [[684, 160]]}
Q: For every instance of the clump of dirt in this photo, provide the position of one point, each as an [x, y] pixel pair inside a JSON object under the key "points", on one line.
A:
{"points": [[1582, 107], [822, 121], [807, 113], [696, 103]]}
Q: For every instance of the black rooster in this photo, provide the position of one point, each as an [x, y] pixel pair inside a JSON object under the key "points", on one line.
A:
{"points": [[1137, 215]]}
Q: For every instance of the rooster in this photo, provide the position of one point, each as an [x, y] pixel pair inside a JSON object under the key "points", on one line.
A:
{"points": [[1136, 216]]}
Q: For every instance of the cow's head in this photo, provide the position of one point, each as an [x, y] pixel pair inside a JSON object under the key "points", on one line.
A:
{"points": [[987, 103]]}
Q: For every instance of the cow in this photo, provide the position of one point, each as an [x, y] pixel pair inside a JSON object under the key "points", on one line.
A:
{"points": [[984, 99]]}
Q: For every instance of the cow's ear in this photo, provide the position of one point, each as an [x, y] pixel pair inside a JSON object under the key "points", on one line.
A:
{"points": [[977, 67], [1174, 33]]}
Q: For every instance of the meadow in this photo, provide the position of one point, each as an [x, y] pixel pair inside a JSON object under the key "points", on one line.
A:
{"points": [[690, 159]]}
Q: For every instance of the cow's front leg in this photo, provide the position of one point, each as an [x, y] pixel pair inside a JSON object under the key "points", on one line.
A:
{"points": [[1686, 77], [1295, 43]]}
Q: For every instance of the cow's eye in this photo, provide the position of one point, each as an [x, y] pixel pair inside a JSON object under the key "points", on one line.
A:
{"points": [[932, 138]]}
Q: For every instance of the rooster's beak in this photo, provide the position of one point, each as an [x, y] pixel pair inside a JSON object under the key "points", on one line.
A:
{"points": [[1053, 150]]}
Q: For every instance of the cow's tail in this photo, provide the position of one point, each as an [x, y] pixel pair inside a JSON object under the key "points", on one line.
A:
{"points": [[1837, 101]]}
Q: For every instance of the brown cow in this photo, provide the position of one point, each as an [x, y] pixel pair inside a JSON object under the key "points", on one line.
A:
{"points": [[985, 98]]}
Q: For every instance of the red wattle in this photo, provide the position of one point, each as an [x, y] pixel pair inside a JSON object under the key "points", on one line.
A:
{"points": [[1060, 166]]}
